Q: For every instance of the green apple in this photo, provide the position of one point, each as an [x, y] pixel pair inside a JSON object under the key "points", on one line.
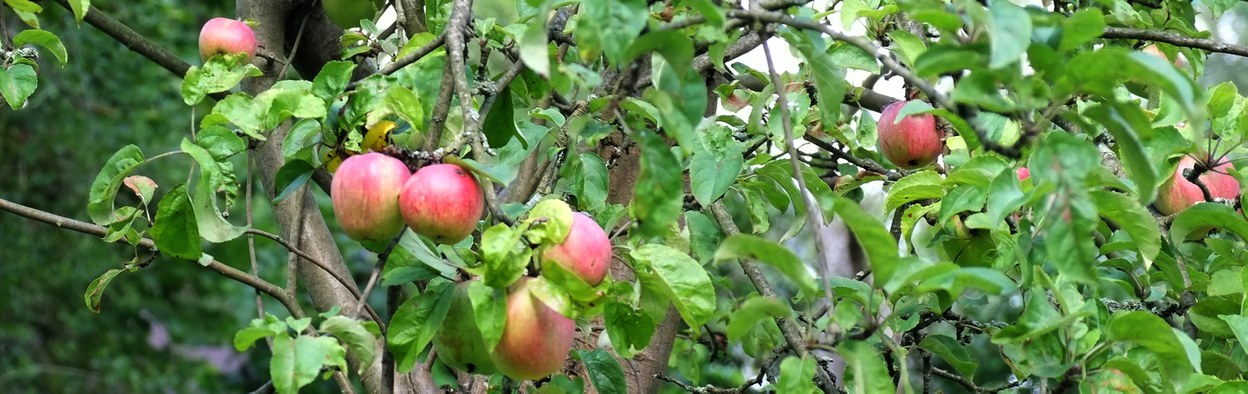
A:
{"points": [[348, 13]]}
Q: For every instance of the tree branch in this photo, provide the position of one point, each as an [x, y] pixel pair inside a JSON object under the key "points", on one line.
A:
{"points": [[792, 335], [254, 282], [1177, 39], [345, 282]]}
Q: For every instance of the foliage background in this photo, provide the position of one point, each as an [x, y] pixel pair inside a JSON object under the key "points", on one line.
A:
{"points": [[104, 98]]}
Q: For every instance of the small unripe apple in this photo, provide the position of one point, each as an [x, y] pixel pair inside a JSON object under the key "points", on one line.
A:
{"points": [[226, 36], [586, 251], [910, 143], [348, 13], [442, 202], [1023, 173], [365, 195], [1177, 193], [536, 339], [458, 341]]}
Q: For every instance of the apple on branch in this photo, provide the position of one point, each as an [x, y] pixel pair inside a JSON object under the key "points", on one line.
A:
{"points": [[586, 251], [442, 202], [365, 195], [536, 338], [1178, 193], [226, 36], [910, 143]]}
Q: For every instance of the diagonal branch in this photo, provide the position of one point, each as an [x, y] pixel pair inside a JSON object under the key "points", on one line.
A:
{"points": [[133, 40]]}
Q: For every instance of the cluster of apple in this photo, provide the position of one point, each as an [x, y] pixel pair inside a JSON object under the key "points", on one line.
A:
{"points": [[374, 195], [914, 142]]}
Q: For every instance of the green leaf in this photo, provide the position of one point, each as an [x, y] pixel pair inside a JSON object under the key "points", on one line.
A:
{"points": [[854, 57], [95, 291], [499, 125], [675, 47], [1082, 27], [1132, 218], [681, 278], [609, 27], [829, 77], [174, 228], [220, 73], [660, 188], [797, 376], [880, 247], [17, 84], [353, 334], [213, 176], [534, 49], [922, 185], [1128, 124], [870, 375], [415, 322], [742, 246], [1238, 325], [1004, 197], [1200, 217], [504, 256], [291, 178], [143, 187], [44, 39], [752, 313], [1150, 331], [591, 189], [711, 175], [80, 8], [490, 306], [333, 79], [604, 372], [704, 235], [1010, 32], [628, 328], [24, 6], [109, 180], [297, 362], [952, 351]]}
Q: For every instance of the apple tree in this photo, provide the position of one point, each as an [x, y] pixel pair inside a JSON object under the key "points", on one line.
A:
{"points": [[603, 196]]}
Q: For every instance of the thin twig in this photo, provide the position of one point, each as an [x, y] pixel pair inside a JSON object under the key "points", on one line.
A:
{"points": [[146, 243], [345, 282], [1177, 39], [381, 265]]}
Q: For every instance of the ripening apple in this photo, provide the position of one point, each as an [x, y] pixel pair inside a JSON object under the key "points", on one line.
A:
{"points": [[226, 36], [536, 339], [586, 251], [910, 143], [348, 13], [1023, 173], [1177, 193], [365, 195], [458, 341], [442, 202]]}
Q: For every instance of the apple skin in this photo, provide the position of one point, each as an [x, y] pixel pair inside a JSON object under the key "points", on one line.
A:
{"points": [[365, 195], [442, 202], [226, 36], [348, 13], [1023, 173], [1177, 193], [911, 143], [458, 341], [586, 251], [536, 339]]}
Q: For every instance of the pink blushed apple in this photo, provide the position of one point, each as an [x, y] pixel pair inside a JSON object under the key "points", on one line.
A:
{"points": [[586, 251], [1023, 173], [365, 195], [1177, 193], [910, 143], [226, 36], [442, 202], [536, 339]]}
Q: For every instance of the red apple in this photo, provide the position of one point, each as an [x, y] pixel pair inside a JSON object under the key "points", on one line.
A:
{"points": [[226, 36], [442, 202], [458, 341], [910, 143], [586, 251], [1023, 173], [536, 339], [365, 194], [1177, 193]]}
